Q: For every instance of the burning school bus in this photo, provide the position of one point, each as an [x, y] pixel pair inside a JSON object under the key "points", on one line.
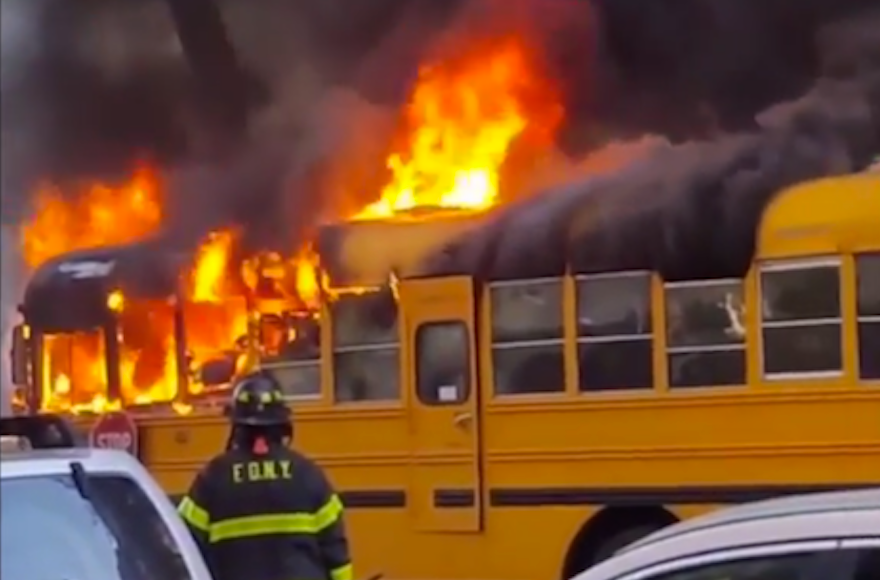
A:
{"points": [[452, 410], [454, 403]]}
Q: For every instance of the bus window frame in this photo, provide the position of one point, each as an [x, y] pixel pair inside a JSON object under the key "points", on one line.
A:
{"points": [[741, 345], [511, 345], [649, 337], [789, 265], [464, 397], [276, 363], [42, 368], [314, 364], [867, 319], [376, 347], [333, 309], [370, 347]]}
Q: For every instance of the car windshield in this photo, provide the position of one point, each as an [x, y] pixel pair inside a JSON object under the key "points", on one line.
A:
{"points": [[51, 532]]}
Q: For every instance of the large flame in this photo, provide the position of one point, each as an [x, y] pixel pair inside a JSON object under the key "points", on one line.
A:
{"points": [[92, 216], [461, 121]]}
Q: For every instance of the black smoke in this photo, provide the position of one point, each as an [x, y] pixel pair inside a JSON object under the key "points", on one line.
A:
{"points": [[697, 66], [690, 211], [104, 83]]}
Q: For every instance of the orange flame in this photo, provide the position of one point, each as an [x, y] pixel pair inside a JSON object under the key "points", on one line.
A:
{"points": [[459, 127], [462, 121], [212, 263], [99, 215]]}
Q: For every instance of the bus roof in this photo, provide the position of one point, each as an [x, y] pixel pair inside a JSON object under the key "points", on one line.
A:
{"points": [[70, 292], [363, 253], [641, 222], [823, 216]]}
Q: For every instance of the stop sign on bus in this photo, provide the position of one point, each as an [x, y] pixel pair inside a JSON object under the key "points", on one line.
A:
{"points": [[115, 430]]}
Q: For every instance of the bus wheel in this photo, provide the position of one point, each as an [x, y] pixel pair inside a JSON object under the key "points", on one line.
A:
{"points": [[609, 531], [620, 540]]}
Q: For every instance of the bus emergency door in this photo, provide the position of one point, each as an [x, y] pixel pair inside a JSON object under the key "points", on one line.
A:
{"points": [[441, 373]]}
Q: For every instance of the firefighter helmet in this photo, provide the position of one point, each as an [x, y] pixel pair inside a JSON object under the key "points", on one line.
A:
{"points": [[257, 400]]}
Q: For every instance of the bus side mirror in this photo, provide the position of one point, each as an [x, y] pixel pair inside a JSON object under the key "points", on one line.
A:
{"points": [[20, 356]]}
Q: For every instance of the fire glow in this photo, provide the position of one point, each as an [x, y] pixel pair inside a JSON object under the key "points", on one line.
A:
{"points": [[456, 132]]}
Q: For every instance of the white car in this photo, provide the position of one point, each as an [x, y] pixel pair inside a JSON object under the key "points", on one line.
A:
{"points": [[74, 513], [822, 536]]}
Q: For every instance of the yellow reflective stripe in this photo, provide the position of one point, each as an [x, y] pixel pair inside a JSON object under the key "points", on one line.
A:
{"points": [[329, 513], [293, 523], [194, 515], [298, 523], [342, 573]]}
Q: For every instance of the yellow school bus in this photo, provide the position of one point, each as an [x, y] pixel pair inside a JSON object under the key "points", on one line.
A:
{"points": [[524, 429]]}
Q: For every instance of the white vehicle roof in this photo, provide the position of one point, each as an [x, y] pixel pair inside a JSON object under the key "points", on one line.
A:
{"points": [[843, 514], [15, 464], [50, 461]]}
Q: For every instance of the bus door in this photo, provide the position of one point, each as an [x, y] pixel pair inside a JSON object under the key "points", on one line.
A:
{"points": [[440, 372]]}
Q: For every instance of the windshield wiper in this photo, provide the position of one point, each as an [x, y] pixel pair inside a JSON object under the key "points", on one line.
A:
{"points": [[81, 479]]}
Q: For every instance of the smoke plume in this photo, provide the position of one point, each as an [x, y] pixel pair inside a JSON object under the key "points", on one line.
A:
{"points": [[90, 87], [107, 82], [690, 211]]}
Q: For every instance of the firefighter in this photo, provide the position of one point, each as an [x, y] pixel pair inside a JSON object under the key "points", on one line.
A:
{"points": [[261, 511]]}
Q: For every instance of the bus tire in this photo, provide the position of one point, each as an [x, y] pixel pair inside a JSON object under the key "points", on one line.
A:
{"points": [[620, 540], [610, 530]]}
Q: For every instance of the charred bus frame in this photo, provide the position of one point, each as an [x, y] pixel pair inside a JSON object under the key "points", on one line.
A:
{"points": [[73, 293]]}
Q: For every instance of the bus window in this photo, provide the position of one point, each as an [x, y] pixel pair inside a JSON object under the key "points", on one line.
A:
{"points": [[527, 337], [148, 369], [868, 269], [614, 331], [442, 363], [74, 371], [292, 352], [801, 318], [705, 335], [366, 348]]}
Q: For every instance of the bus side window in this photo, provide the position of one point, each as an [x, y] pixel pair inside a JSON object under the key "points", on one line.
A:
{"points": [[366, 348], [443, 363], [868, 272], [801, 322], [615, 337], [527, 337], [292, 353], [705, 333]]}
